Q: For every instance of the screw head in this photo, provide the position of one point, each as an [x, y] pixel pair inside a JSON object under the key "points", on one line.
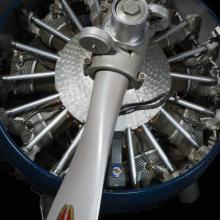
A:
{"points": [[141, 76], [104, 8], [131, 7], [87, 61]]}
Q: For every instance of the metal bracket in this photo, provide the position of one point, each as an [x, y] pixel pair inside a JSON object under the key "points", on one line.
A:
{"points": [[122, 63]]}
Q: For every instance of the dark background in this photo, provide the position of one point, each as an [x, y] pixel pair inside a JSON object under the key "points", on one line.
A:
{"points": [[18, 202]]}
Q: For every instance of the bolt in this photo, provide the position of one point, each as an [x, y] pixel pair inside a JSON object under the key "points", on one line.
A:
{"points": [[141, 76], [104, 8], [87, 61], [131, 7]]}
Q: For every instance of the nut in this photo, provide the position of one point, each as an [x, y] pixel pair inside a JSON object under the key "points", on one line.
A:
{"points": [[131, 7]]}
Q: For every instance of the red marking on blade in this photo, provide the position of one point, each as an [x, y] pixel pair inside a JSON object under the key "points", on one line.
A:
{"points": [[66, 213]]}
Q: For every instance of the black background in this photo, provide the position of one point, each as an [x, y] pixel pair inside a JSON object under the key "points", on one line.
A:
{"points": [[18, 202]]}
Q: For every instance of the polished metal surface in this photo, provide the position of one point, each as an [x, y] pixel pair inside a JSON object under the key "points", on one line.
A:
{"points": [[162, 15], [69, 153], [31, 105], [159, 149], [187, 54], [180, 128], [192, 106], [72, 14], [203, 79], [95, 40], [58, 23], [170, 32], [128, 20], [50, 29], [28, 76], [97, 6], [131, 156], [47, 129], [35, 51], [75, 88], [130, 12], [121, 62]]}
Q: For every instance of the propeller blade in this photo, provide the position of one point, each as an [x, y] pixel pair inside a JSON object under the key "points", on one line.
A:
{"points": [[83, 184]]}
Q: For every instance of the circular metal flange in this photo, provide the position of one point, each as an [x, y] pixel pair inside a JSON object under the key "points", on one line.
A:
{"points": [[95, 40], [76, 88]]}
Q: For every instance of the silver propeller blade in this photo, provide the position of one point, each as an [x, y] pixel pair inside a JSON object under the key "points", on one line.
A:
{"points": [[83, 185]]}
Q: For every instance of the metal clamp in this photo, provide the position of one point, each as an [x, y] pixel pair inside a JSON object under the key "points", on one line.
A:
{"points": [[123, 63]]}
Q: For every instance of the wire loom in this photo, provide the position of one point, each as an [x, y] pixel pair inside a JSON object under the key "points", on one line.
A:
{"points": [[160, 100]]}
